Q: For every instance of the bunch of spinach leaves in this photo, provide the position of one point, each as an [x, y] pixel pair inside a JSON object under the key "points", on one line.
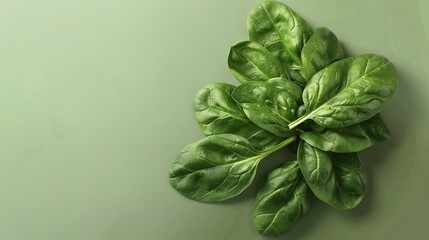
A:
{"points": [[296, 85]]}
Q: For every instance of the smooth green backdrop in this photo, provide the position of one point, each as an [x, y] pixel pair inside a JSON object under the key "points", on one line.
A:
{"points": [[96, 101]]}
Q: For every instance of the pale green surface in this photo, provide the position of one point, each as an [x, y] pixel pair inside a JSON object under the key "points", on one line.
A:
{"points": [[96, 101]]}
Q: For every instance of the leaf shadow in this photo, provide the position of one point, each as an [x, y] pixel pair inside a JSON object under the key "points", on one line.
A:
{"points": [[396, 117], [403, 137]]}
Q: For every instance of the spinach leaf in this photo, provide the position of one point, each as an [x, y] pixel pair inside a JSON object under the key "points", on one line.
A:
{"points": [[283, 199], [283, 32], [287, 86], [217, 167], [250, 61], [337, 179], [217, 112], [267, 106], [348, 91], [354, 138], [321, 50]]}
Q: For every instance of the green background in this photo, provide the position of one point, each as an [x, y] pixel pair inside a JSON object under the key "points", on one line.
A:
{"points": [[96, 101]]}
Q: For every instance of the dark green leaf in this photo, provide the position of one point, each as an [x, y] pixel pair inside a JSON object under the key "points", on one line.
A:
{"points": [[283, 199], [354, 138], [217, 167], [267, 106], [313, 126], [337, 179], [250, 61], [321, 50], [217, 113], [288, 86], [349, 91], [283, 32]]}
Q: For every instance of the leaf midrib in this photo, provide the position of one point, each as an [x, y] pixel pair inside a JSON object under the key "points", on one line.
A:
{"points": [[254, 158], [344, 89], [254, 64], [282, 40], [286, 202]]}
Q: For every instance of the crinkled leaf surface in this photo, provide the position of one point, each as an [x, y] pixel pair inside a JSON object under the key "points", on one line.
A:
{"points": [[217, 167], [337, 179], [349, 91], [217, 112], [354, 138], [288, 86], [283, 199], [321, 50], [250, 61], [267, 106], [283, 32]]}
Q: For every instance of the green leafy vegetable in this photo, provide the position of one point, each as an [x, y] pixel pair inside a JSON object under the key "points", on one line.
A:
{"points": [[283, 32], [321, 50], [250, 61], [295, 85], [349, 139], [216, 112], [288, 86], [337, 179], [349, 91], [283, 199], [217, 167], [267, 106]]}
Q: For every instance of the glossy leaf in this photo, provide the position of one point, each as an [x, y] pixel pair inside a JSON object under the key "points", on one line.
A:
{"points": [[283, 32], [321, 50], [354, 138], [267, 106], [217, 112], [337, 179], [349, 91], [217, 167], [287, 86], [283, 199], [250, 61]]}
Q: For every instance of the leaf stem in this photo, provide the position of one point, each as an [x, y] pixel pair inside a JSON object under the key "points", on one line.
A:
{"points": [[298, 121], [279, 146]]}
